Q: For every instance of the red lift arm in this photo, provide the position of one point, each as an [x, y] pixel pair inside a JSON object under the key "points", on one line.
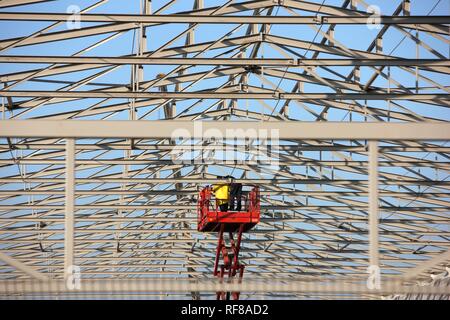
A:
{"points": [[211, 219]]}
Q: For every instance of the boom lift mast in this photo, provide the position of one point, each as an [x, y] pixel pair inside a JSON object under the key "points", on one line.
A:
{"points": [[211, 219]]}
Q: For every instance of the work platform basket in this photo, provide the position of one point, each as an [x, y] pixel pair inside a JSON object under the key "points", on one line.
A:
{"points": [[210, 218]]}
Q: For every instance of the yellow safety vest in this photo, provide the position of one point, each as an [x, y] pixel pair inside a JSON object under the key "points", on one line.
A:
{"points": [[222, 192]]}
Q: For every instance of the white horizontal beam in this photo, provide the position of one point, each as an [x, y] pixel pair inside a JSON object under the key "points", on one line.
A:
{"points": [[160, 129], [213, 285]]}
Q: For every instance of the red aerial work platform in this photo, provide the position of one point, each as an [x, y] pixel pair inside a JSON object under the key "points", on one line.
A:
{"points": [[211, 219]]}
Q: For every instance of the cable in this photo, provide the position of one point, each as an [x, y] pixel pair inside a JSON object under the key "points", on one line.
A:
{"points": [[287, 68], [404, 37]]}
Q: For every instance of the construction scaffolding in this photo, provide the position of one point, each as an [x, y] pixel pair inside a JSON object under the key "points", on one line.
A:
{"points": [[103, 152]]}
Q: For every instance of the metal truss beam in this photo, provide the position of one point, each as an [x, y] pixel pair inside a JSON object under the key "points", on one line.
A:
{"points": [[211, 95], [15, 3], [22, 267], [428, 265], [217, 19], [382, 61]]}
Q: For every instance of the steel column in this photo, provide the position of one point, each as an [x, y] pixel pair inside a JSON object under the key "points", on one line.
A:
{"points": [[69, 206], [373, 204]]}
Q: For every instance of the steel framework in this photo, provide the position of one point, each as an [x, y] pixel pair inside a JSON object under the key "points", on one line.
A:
{"points": [[90, 175]]}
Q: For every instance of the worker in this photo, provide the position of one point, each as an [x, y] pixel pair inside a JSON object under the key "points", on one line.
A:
{"points": [[221, 191], [235, 196]]}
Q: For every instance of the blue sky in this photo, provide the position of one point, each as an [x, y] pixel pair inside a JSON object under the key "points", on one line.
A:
{"points": [[355, 37]]}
